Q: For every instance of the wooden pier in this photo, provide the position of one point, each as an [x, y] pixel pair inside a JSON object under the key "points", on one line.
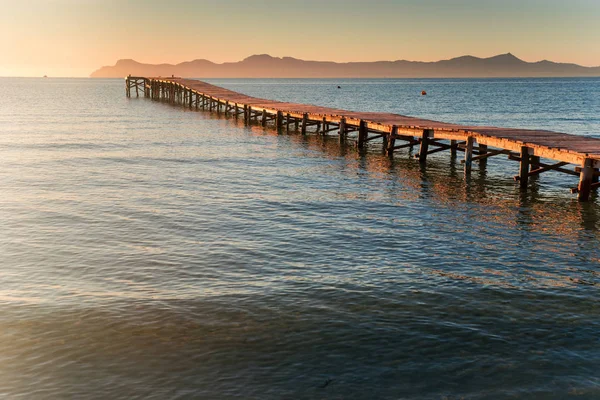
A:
{"points": [[537, 151]]}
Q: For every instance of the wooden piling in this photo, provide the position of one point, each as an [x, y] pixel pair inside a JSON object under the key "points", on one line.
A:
{"points": [[534, 162], [469, 154], [424, 148], [264, 118], [363, 133], [391, 142], [586, 177], [524, 168], [304, 123], [342, 131]]}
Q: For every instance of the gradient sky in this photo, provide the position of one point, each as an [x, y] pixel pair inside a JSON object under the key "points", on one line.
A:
{"points": [[75, 37]]}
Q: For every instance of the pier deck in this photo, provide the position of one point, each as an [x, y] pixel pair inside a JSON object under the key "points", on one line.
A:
{"points": [[537, 151]]}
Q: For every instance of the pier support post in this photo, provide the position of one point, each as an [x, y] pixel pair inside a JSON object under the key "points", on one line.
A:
{"points": [[304, 123], [524, 168], [391, 141], [384, 143], [263, 121], [363, 133], [342, 131], [586, 177], [469, 155], [249, 115], [424, 148], [287, 122], [483, 149], [279, 120], [190, 99], [534, 162], [453, 148]]}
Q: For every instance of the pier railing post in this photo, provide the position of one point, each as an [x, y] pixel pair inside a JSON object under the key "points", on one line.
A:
{"points": [[586, 177]]}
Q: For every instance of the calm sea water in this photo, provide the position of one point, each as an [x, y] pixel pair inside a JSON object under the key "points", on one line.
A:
{"points": [[156, 253]]}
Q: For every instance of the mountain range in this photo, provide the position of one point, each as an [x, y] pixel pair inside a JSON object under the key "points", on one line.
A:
{"points": [[266, 66]]}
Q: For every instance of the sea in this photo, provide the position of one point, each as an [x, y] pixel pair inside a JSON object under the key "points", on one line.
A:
{"points": [[152, 252]]}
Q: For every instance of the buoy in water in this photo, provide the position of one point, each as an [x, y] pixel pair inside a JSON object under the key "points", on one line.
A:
{"points": [[423, 93]]}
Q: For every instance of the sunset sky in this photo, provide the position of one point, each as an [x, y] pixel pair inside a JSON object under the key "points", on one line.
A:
{"points": [[75, 37]]}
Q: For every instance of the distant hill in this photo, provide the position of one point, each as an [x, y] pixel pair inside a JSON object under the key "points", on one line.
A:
{"points": [[265, 66]]}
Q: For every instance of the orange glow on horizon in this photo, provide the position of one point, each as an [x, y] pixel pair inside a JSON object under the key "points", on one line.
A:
{"points": [[73, 38]]}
